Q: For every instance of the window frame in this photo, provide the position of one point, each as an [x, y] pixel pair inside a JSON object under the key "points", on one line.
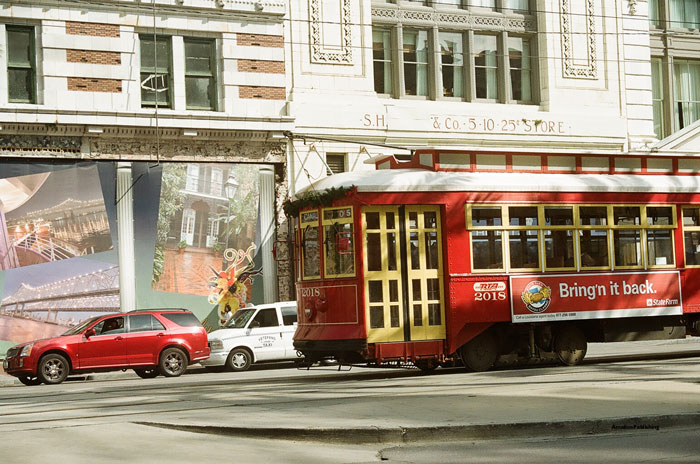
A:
{"points": [[332, 222], [577, 228], [302, 230], [689, 229], [213, 76], [31, 66], [154, 38]]}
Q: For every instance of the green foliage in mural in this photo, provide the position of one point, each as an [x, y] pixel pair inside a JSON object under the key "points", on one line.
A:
{"points": [[171, 199]]}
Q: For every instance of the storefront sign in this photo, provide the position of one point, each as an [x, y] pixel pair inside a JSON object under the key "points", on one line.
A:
{"points": [[487, 124], [594, 296]]}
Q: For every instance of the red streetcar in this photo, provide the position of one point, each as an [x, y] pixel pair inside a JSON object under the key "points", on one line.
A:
{"points": [[489, 257]]}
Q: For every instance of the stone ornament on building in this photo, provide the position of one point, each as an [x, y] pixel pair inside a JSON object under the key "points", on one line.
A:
{"points": [[571, 70], [318, 53], [406, 16], [632, 5]]}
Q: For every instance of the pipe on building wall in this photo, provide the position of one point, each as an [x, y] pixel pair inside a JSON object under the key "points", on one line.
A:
{"points": [[125, 233], [267, 227]]}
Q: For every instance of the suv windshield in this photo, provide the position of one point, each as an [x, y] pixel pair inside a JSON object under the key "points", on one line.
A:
{"points": [[80, 327], [241, 318]]}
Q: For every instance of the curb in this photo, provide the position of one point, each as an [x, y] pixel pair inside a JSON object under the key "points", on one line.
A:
{"points": [[398, 434]]}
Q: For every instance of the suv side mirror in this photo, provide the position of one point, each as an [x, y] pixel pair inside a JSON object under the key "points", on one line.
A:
{"points": [[89, 332]]}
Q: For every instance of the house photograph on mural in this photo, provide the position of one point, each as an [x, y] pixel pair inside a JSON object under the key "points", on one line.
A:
{"points": [[204, 210], [52, 216]]}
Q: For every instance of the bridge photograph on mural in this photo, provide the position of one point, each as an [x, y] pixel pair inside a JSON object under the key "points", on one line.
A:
{"points": [[52, 216]]}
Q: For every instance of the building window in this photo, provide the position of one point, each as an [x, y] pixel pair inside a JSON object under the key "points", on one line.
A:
{"points": [[335, 163], [684, 14], [486, 66], [520, 75], [686, 76], [654, 19], [200, 74], [415, 62], [21, 73], [381, 49], [156, 71], [657, 95], [452, 64], [462, 61]]}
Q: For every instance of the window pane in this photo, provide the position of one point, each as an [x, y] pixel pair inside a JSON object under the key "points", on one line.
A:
{"points": [[594, 248], [413, 243], [391, 251], [520, 78], [685, 14], [593, 215], [626, 216], [381, 50], [434, 316], [376, 317], [311, 258], [483, 3], [375, 291], [431, 250], [657, 96], [487, 249], [523, 249], [20, 85], [394, 314], [198, 57], [266, 318], [691, 217], [374, 252], [418, 314], [199, 91], [339, 250], [486, 216], [516, 5], [372, 220], [522, 215], [659, 215], [19, 45], [140, 323], [692, 248], [660, 247], [486, 66], [627, 245], [558, 215], [415, 62], [686, 74], [559, 248], [654, 13], [452, 59]]}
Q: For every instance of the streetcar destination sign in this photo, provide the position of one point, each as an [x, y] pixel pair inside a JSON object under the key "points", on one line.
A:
{"points": [[594, 296]]}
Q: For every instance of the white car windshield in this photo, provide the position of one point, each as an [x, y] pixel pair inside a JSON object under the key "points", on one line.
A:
{"points": [[240, 318]]}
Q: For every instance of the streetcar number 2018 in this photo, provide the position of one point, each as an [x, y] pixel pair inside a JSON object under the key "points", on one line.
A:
{"points": [[489, 296]]}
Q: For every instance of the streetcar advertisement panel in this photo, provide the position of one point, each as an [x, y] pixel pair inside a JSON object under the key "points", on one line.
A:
{"points": [[594, 296]]}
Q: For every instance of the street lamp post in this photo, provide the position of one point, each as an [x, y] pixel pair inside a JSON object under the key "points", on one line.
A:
{"points": [[230, 188]]}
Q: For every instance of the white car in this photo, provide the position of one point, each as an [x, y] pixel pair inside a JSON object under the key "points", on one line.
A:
{"points": [[255, 334]]}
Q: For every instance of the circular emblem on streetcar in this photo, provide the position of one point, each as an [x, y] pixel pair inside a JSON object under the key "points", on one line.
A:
{"points": [[536, 296]]}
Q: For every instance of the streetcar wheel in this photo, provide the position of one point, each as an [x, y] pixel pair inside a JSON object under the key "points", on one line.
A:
{"points": [[53, 369], [29, 380], [173, 362], [150, 373], [239, 360], [426, 365], [480, 353], [570, 345]]}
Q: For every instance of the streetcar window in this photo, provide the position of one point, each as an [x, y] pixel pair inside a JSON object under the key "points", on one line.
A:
{"points": [[310, 254], [376, 317], [487, 249], [338, 242], [691, 235], [627, 244], [572, 237]]}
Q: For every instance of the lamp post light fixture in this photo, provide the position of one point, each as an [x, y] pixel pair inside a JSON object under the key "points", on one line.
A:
{"points": [[230, 188]]}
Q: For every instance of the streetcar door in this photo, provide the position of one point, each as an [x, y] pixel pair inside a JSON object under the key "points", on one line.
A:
{"points": [[403, 273], [382, 270], [424, 279]]}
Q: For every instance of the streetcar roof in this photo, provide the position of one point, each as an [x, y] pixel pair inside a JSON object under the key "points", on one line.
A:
{"points": [[421, 180]]}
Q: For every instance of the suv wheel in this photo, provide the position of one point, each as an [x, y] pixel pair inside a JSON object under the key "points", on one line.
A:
{"points": [[149, 373], [173, 362], [239, 360], [53, 369]]}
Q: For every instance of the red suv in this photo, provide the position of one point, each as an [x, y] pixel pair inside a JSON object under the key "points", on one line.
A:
{"points": [[150, 342]]}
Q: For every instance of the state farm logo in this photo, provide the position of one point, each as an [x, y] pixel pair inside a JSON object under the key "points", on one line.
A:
{"points": [[489, 286], [536, 296]]}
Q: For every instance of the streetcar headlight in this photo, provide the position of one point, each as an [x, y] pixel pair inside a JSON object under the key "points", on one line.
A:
{"points": [[216, 345], [27, 350]]}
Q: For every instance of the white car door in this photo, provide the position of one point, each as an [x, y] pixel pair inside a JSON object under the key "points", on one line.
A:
{"points": [[289, 321], [265, 333]]}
